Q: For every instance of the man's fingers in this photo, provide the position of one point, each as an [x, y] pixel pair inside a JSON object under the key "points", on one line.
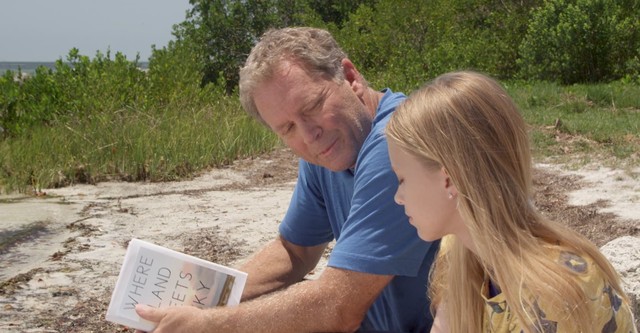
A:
{"points": [[149, 313]]}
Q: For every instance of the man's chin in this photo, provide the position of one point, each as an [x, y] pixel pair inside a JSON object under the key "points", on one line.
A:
{"points": [[338, 167], [333, 164], [336, 159]]}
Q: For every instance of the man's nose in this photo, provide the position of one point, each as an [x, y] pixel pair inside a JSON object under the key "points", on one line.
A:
{"points": [[310, 131]]}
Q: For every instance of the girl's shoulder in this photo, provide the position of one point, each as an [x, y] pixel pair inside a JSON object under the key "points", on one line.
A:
{"points": [[610, 311], [582, 265], [587, 274]]}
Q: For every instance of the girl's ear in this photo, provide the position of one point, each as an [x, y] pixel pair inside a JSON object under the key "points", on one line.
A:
{"points": [[449, 185]]}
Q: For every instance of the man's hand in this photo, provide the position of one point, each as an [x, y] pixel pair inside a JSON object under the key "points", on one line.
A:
{"points": [[174, 319], [336, 302]]}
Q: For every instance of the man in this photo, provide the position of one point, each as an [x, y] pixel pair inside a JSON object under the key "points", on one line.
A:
{"points": [[299, 83]]}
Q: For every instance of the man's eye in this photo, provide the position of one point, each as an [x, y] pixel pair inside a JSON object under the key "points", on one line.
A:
{"points": [[288, 129]]}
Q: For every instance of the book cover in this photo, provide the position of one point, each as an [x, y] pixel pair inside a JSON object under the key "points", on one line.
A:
{"points": [[160, 277]]}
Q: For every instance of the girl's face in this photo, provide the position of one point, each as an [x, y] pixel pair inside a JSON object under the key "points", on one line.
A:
{"points": [[428, 196]]}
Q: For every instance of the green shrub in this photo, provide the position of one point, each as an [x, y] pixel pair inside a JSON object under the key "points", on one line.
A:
{"points": [[581, 41], [76, 87]]}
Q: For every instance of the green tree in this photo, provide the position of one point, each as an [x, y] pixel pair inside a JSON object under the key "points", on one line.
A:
{"points": [[337, 12], [411, 41], [223, 31]]}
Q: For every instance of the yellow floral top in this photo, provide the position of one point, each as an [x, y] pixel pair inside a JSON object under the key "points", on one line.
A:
{"points": [[610, 312]]}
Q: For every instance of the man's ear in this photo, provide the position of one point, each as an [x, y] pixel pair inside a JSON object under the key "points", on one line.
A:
{"points": [[353, 77]]}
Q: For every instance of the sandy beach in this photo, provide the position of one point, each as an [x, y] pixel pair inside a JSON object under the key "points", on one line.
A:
{"points": [[61, 250]]}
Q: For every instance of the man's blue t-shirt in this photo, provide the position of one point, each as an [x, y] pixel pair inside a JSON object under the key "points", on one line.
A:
{"points": [[372, 232]]}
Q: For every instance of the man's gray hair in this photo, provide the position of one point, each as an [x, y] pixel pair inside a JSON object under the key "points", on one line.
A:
{"points": [[315, 50]]}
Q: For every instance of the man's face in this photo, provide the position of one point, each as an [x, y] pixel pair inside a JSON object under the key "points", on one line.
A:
{"points": [[322, 121]]}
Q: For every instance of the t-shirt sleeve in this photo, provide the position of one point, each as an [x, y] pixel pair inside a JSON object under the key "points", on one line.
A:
{"points": [[377, 237], [306, 220]]}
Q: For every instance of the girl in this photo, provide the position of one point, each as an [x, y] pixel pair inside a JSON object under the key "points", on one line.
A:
{"points": [[461, 152]]}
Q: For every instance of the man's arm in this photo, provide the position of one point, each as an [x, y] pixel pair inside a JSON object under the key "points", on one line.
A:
{"points": [[336, 302], [440, 321], [279, 265]]}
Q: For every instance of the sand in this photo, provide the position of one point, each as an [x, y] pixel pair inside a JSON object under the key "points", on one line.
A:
{"points": [[59, 278]]}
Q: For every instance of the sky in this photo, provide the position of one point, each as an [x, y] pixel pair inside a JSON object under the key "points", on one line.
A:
{"points": [[45, 30]]}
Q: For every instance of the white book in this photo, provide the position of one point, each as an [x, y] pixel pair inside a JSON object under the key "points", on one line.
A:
{"points": [[160, 277]]}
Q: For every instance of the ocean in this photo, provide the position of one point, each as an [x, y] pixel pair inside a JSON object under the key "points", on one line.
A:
{"points": [[29, 67]]}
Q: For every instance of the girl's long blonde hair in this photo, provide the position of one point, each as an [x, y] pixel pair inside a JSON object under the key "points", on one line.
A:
{"points": [[466, 123]]}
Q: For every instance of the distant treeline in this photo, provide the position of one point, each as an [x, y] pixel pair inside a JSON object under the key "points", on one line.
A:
{"points": [[29, 67], [399, 43]]}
